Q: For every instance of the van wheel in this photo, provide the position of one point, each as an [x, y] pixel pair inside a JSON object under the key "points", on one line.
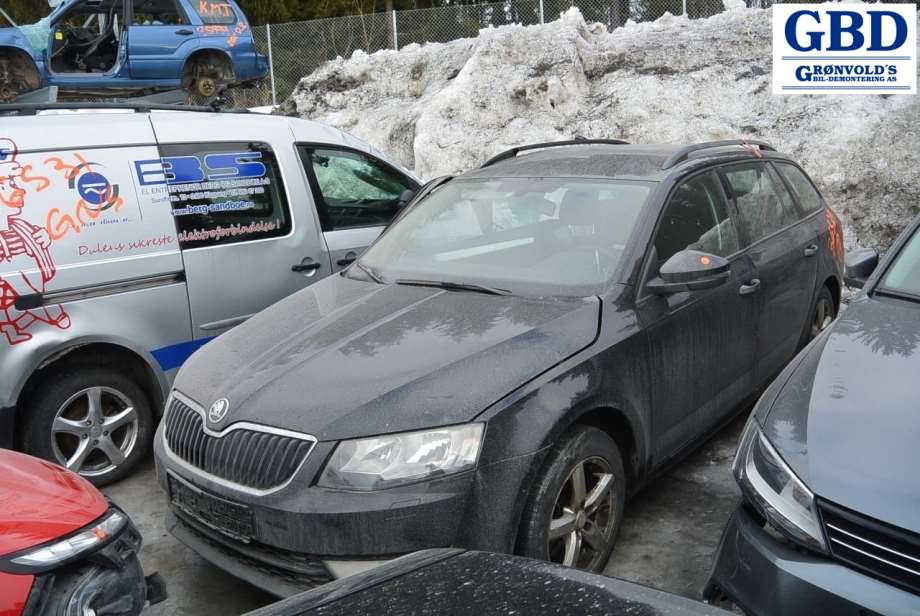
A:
{"points": [[822, 315], [94, 421], [574, 512]]}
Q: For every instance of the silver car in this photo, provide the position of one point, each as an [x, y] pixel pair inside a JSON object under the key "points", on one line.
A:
{"points": [[130, 238]]}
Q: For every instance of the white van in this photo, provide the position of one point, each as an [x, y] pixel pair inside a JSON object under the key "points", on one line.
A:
{"points": [[130, 238]]}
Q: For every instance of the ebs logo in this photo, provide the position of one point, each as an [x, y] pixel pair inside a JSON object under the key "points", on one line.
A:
{"points": [[844, 48], [194, 169]]}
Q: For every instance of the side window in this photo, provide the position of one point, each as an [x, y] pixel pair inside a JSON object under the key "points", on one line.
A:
{"points": [[805, 192], [221, 193], [355, 190], [215, 12], [697, 217], [158, 13], [762, 207]]}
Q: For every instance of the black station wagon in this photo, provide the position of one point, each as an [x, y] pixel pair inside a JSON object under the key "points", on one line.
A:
{"points": [[515, 355]]}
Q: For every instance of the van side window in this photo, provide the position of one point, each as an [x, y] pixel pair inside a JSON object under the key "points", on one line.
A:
{"points": [[221, 193], [763, 209], [353, 189], [805, 192], [697, 217]]}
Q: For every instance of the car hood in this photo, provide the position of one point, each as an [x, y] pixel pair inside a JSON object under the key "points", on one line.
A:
{"points": [[345, 358], [848, 419], [42, 502], [451, 582]]}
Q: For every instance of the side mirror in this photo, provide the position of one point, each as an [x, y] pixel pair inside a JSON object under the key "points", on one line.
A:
{"points": [[859, 266], [405, 198], [690, 270]]}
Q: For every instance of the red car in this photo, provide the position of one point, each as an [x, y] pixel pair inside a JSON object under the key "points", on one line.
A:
{"points": [[65, 549]]}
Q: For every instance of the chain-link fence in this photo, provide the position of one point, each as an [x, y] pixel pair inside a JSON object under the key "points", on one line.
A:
{"points": [[297, 49]]}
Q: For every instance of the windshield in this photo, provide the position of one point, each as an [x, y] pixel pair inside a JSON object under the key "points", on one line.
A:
{"points": [[529, 236], [904, 273]]}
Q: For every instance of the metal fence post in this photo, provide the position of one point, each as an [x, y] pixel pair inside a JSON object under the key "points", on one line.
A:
{"points": [[541, 13], [395, 32], [685, 7], [271, 64]]}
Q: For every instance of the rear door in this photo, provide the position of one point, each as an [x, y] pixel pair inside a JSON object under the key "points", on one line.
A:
{"points": [[244, 216], [356, 195], [701, 343], [160, 37], [782, 247]]}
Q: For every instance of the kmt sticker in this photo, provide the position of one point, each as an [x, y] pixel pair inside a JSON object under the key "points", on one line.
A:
{"points": [[844, 49]]}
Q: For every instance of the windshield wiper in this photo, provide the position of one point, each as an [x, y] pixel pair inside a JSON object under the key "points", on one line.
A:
{"points": [[370, 273], [453, 286], [910, 297]]}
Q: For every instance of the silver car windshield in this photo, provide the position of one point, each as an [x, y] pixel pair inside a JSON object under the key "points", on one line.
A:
{"points": [[529, 236], [904, 274]]}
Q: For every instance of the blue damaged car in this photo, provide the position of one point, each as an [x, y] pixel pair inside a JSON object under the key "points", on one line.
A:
{"points": [[106, 46]]}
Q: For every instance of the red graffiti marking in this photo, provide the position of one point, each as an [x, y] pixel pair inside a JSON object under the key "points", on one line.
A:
{"points": [[26, 244]]}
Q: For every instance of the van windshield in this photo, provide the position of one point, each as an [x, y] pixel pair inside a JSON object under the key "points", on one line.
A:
{"points": [[528, 236]]}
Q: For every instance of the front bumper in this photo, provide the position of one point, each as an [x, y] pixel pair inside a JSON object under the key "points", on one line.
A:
{"points": [[766, 576], [302, 535]]}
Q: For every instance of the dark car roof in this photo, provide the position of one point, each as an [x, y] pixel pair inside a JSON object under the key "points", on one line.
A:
{"points": [[450, 582], [638, 162]]}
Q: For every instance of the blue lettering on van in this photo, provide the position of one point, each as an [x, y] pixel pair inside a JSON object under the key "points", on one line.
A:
{"points": [[174, 355], [190, 169]]}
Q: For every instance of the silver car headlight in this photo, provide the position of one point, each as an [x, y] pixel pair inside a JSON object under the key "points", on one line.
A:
{"points": [[389, 460], [72, 547], [773, 489]]}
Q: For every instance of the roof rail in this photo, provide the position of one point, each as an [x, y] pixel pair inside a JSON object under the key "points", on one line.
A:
{"points": [[684, 153], [552, 144], [138, 107]]}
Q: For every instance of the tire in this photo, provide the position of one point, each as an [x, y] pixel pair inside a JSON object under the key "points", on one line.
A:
{"points": [[55, 424], [822, 314], [586, 532]]}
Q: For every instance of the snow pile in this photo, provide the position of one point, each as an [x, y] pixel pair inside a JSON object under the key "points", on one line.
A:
{"points": [[444, 108]]}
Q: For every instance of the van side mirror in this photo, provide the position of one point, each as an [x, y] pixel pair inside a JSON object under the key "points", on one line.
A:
{"points": [[690, 270], [859, 265], [405, 198]]}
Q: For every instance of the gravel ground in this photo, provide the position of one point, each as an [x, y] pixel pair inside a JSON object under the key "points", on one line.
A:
{"points": [[668, 536]]}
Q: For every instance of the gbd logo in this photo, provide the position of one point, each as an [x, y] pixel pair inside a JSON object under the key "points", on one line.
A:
{"points": [[845, 30], [834, 48]]}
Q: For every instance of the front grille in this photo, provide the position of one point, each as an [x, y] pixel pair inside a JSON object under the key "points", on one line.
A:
{"points": [[253, 458], [885, 552]]}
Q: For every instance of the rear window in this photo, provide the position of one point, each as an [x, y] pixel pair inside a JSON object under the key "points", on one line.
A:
{"points": [[805, 192], [762, 202], [215, 12], [221, 193]]}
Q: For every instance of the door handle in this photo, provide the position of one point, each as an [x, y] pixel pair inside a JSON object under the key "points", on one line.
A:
{"points": [[185, 32], [349, 258], [811, 250], [750, 287], [305, 267]]}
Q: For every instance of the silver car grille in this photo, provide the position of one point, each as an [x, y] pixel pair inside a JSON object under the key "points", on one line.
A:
{"points": [[880, 550], [248, 455]]}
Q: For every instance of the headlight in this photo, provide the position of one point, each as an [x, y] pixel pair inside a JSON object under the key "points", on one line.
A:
{"points": [[771, 486], [52, 555], [394, 459]]}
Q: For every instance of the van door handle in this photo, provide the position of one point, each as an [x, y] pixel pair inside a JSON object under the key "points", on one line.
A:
{"points": [[185, 32], [811, 250], [306, 267], [349, 258], [750, 287]]}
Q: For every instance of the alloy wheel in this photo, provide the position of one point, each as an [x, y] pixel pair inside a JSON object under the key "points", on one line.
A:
{"points": [[582, 524], [95, 431], [824, 316]]}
